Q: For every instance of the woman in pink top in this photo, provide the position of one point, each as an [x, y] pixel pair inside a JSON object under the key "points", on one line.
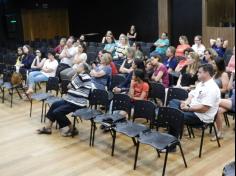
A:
{"points": [[231, 64], [160, 71], [183, 40]]}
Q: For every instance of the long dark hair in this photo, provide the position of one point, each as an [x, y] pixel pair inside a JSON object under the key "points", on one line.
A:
{"points": [[220, 67]]}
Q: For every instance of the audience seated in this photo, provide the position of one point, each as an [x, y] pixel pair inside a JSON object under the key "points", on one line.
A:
{"points": [[188, 74], [126, 67], [209, 56], [198, 47], [183, 40], [160, 71], [124, 87], [170, 61], [38, 62], [161, 45], [132, 34], [219, 45], [202, 103], [231, 64], [104, 39], [221, 77], [149, 69], [60, 47], [138, 51], [110, 44], [19, 58], [66, 57], [225, 105], [101, 74], [139, 88], [183, 61], [28, 57], [80, 57], [121, 50], [48, 70], [76, 98]]}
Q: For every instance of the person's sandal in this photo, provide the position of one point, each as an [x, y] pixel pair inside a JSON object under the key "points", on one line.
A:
{"points": [[44, 130]]}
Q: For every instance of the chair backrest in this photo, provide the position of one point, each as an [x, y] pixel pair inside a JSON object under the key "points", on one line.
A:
{"points": [[176, 93], [92, 56], [157, 91], [99, 97], [145, 110], [64, 86], [122, 102], [116, 80], [52, 84], [171, 118]]}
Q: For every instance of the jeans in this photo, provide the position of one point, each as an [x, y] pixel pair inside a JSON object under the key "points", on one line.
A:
{"points": [[35, 77], [190, 118], [58, 112]]}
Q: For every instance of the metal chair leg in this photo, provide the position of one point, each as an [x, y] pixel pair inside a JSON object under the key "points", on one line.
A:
{"points": [[202, 138], [113, 142], [165, 162], [12, 91], [136, 155], [182, 153], [217, 138]]}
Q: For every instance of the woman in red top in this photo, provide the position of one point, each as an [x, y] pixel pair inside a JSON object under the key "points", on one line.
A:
{"points": [[139, 89], [183, 40]]}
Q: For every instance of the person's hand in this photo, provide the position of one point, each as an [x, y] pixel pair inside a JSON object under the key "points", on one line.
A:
{"points": [[185, 108], [117, 90], [182, 104]]}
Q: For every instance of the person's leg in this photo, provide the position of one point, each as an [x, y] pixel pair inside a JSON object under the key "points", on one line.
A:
{"points": [[174, 104], [191, 119]]}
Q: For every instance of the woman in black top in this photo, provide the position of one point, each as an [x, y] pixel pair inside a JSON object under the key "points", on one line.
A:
{"points": [[126, 67], [132, 34]]}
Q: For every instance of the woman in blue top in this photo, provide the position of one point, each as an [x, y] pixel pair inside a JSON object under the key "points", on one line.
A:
{"points": [[110, 45], [101, 74], [161, 45]]}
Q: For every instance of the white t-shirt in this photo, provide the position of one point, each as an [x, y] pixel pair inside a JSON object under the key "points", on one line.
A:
{"points": [[82, 58], [208, 94], [50, 65], [199, 49], [69, 60]]}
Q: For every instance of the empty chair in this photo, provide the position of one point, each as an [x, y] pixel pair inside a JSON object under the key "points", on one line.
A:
{"points": [[142, 109], [116, 80], [157, 91], [97, 97], [51, 85], [92, 49], [92, 56], [163, 141]]}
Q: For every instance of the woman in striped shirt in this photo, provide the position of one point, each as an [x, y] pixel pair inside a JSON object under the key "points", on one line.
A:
{"points": [[76, 98]]}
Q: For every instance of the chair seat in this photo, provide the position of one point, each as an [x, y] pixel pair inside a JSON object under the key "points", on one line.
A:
{"points": [[109, 119], [52, 99], [1, 82], [86, 113], [40, 96], [130, 129], [157, 140], [7, 85]]}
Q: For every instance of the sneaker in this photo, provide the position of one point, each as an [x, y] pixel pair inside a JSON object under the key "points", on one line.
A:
{"points": [[173, 150], [69, 133], [220, 136]]}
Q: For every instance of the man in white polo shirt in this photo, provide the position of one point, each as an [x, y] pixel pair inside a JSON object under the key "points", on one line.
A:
{"points": [[203, 102]]}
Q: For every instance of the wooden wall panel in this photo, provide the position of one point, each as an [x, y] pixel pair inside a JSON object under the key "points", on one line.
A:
{"points": [[44, 23], [164, 16]]}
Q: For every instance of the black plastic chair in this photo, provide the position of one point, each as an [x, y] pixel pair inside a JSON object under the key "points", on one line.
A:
{"points": [[64, 86], [51, 85], [163, 141], [97, 97], [142, 109], [116, 80], [157, 91], [120, 102], [176, 93], [203, 127], [92, 56]]}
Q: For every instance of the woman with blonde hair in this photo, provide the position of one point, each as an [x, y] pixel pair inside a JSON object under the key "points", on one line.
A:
{"points": [[101, 74], [184, 44], [188, 76]]}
